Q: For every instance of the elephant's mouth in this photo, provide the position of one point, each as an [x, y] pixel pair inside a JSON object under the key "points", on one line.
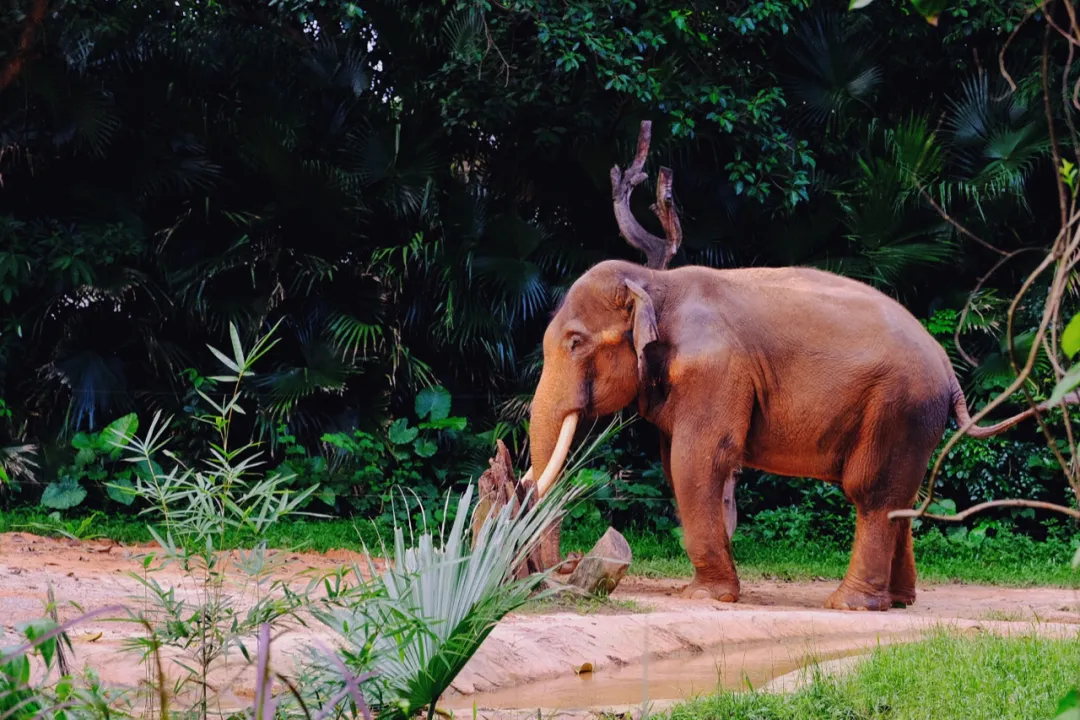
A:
{"points": [[558, 456]]}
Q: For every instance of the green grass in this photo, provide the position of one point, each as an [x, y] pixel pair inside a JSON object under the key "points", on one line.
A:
{"points": [[945, 677], [583, 606], [1001, 559]]}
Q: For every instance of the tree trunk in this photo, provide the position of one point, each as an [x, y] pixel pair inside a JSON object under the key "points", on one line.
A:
{"points": [[603, 567]]}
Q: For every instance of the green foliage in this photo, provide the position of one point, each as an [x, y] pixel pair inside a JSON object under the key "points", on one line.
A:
{"points": [[86, 528], [1069, 706], [57, 693], [96, 460], [950, 675], [197, 511], [998, 467], [368, 473], [409, 628], [1070, 345], [16, 459], [457, 590]]}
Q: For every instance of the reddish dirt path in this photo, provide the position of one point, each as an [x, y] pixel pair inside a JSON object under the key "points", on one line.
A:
{"points": [[529, 660]]}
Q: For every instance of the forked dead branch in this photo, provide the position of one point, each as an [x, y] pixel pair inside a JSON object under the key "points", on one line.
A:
{"points": [[658, 251]]}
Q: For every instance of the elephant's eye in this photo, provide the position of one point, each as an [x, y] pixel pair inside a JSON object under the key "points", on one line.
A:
{"points": [[574, 341]]}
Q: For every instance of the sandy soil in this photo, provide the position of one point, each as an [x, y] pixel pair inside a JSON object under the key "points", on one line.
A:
{"points": [[675, 649]]}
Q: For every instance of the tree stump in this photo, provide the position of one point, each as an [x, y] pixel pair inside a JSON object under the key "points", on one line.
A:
{"points": [[497, 488], [603, 567]]}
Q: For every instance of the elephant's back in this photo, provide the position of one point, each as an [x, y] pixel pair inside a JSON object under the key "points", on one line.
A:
{"points": [[813, 316]]}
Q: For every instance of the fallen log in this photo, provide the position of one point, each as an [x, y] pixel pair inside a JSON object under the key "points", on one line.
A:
{"points": [[603, 567]]}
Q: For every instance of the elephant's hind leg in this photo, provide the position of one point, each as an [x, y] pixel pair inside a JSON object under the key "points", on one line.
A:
{"points": [[903, 575], [866, 584], [879, 481]]}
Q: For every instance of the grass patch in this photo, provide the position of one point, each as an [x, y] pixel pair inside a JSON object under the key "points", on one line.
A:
{"points": [[317, 535], [1001, 559], [1005, 558], [946, 676], [567, 603]]}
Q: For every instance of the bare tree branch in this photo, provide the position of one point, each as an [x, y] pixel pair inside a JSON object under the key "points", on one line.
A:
{"points": [[658, 251], [961, 516]]}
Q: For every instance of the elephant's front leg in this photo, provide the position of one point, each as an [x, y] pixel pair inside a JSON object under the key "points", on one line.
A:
{"points": [[731, 512], [699, 479]]}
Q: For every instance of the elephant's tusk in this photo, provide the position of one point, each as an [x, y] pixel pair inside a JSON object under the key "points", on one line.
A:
{"points": [[562, 449], [528, 476]]}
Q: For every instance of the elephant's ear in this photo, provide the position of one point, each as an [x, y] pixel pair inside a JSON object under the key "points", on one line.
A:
{"points": [[645, 328]]}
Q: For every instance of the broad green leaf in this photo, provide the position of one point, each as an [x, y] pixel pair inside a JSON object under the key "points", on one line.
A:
{"points": [[425, 448], [35, 629], [84, 457], [1070, 337], [400, 433], [122, 491], [82, 441], [450, 423], [63, 495], [956, 533], [433, 403], [1067, 384], [858, 4], [944, 506], [18, 669]]}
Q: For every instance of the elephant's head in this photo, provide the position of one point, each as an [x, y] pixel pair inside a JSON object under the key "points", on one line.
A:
{"points": [[599, 350]]}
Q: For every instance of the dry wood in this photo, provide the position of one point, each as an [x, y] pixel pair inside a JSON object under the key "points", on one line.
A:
{"points": [[603, 567], [497, 488], [658, 251]]}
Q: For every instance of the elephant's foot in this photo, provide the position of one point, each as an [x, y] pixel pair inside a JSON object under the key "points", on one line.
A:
{"points": [[846, 597], [902, 598], [720, 591]]}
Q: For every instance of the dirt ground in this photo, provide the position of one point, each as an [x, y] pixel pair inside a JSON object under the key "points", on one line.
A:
{"points": [[671, 648]]}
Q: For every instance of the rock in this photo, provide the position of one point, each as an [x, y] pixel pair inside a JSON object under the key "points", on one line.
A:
{"points": [[603, 567]]}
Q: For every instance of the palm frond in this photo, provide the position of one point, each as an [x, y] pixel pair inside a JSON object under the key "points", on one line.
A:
{"points": [[458, 589], [835, 68]]}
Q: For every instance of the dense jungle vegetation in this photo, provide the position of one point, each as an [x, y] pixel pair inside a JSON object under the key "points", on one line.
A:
{"points": [[404, 188]]}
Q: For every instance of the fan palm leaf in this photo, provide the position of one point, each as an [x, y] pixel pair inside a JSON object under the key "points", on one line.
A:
{"points": [[458, 588], [995, 140], [836, 68]]}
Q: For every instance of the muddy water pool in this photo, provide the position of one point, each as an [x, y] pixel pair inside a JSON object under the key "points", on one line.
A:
{"points": [[734, 667]]}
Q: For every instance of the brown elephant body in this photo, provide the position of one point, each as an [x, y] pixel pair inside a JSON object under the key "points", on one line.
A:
{"points": [[793, 371]]}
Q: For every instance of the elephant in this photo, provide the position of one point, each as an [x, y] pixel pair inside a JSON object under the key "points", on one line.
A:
{"points": [[793, 371]]}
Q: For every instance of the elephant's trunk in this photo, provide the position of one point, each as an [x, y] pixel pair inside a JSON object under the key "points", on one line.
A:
{"points": [[551, 432]]}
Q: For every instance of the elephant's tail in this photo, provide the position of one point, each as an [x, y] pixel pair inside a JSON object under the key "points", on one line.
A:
{"points": [[960, 410]]}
